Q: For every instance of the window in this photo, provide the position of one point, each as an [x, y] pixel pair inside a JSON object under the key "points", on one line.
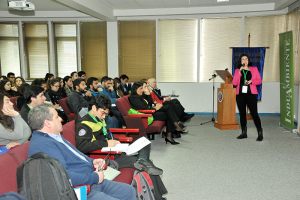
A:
{"points": [[93, 48], [9, 49], [177, 49], [217, 36], [36, 44], [137, 49], [264, 32], [66, 48]]}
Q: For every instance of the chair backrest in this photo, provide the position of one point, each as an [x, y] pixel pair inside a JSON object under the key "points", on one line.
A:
{"points": [[9, 163], [64, 104], [69, 132], [123, 105], [14, 101]]}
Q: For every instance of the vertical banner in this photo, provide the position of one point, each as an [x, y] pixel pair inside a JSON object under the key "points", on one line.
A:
{"points": [[286, 80], [257, 58]]}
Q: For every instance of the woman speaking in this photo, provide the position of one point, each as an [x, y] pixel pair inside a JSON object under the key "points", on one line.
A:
{"points": [[246, 78]]}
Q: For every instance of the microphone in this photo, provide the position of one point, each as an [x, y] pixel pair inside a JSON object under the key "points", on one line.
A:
{"points": [[243, 64], [214, 75], [226, 69]]}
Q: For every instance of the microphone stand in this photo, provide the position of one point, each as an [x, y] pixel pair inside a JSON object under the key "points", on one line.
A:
{"points": [[213, 96]]}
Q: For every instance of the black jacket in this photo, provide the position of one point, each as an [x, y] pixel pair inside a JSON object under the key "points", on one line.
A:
{"points": [[89, 135], [77, 101]]}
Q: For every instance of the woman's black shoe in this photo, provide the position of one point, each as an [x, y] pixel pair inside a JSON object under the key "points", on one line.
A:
{"points": [[172, 141]]}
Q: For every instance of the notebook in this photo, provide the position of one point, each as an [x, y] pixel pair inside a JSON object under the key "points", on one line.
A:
{"points": [[110, 173]]}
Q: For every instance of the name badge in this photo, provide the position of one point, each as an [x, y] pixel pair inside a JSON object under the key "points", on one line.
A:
{"points": [[245, 89]]}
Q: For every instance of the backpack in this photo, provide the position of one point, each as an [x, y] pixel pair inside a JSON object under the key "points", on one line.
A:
{"points": [[43, 178], [143, 185]]}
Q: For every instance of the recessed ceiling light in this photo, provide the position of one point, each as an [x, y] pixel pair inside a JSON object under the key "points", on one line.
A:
{"points": [[222, 1]]}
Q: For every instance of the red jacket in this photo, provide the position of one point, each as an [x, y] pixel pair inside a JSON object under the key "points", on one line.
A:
{"points": [[256, 79]]}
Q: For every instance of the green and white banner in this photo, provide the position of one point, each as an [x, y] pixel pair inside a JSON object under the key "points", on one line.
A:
{"points": [[286, 80]]}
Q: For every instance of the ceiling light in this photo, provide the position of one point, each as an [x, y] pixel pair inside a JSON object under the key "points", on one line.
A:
{"points": [[222, 1]]}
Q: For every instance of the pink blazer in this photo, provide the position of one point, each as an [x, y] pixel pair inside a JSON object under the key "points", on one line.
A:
{"points": [[256, 79]]}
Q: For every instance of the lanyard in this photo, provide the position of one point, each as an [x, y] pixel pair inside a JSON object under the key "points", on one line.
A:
{"points": [[104, 129], [245, 75]]}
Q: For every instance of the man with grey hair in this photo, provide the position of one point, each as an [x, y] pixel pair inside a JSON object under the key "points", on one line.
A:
{"points": [[46, 138]]}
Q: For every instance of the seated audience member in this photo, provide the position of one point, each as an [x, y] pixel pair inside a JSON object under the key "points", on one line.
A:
{"points": [[40, 82], [92, 134], [108, 91], [157, 98], [3, 78], [68, 85], [49, 77], [74, 76], [79, 99], [54, 96], [61, 90], [11, 77], [140, 101], [33, 96], [93, 86], [81, 169], [18, 82], [82, 75], [13, 129], [116, 86], [7, 89], [125, 87]]}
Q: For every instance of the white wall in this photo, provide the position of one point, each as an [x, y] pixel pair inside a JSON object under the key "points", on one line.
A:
{"points": [[197, 97]]}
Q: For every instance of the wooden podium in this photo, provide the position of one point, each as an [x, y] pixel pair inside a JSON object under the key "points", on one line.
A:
{"points": [[226, 117]]}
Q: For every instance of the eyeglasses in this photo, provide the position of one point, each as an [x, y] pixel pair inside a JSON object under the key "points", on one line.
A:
{"points": [[106, 112]]}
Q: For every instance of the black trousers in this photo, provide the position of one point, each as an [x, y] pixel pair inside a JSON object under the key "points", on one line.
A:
{"points": [[168, 114], [244, 100]]}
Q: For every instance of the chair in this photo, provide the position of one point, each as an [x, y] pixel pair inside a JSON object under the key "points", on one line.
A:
{"points": [[139, 121], [126, 173], [64, 104], [9, 163]]}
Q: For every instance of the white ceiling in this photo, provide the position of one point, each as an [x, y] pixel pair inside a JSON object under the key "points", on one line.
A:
{"points": [[112, 9]]}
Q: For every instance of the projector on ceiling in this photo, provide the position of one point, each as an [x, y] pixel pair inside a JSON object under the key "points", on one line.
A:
{"points": [[22, 5]]}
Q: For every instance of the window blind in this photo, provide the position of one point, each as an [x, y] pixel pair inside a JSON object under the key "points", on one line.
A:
{"points": [[137, 49], [36, 45], [94, 48], [177, 40], [66, 48], [9, 49]]}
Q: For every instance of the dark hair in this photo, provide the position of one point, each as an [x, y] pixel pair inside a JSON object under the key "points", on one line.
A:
{"points": [[101, 101], [124, 76], [53, 81], [66, 78], [240, 60], [104, 79], [72, 73], [38, 82], [4, 78], [5, 120], [116, 81], [10, 74], [32, 91], [77, 82], [19, 77], [90, 81], [2, 87], [135, 86], [80, 73], [48, 76]]}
